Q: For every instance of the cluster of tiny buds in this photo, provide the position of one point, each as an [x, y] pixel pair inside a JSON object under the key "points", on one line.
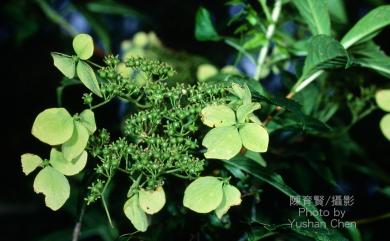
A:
{"points": [[154, 68], [95, 191]]}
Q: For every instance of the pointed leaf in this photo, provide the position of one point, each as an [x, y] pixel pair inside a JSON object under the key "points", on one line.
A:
{"points": [[369, 55], [315, 13], [218, 115], [68, 168], [152, 201], [204, 194], [254, 137], [368, 26], [53, 126], [87, 118], [245, 110], [83, 46], [385, 126], [204, 28], [135, 214], [231, 197], [77, 143], [222, 143], [54, 186], [65, 64], [382, 98], [324, 53], [30, 162], [88, 77]]}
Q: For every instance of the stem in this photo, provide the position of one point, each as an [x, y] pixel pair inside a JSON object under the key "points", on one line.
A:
{"points": [[92, 63], [105, 204], [270, 32], [100, 104], [77, 227], [301, 84]]}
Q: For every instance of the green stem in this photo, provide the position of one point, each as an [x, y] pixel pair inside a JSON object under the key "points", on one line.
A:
{"points": [[94, 64], [373, 219], [105, 204], [269, 33], [100, 104]]}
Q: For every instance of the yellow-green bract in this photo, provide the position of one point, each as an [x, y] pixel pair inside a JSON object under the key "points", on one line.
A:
{"points": [[53, 126], [83, 46], [53, 185], [135, 214], [152, 201], [68, 167], [30, 162]]}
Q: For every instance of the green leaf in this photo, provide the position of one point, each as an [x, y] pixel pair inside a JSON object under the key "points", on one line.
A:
{"points": [[385, 126], [367, 27], [271, 178], [65, 64], [77, 143], [231, 197], [244, 110], [87, 118], [255, 156], [152, 201], [324, 53], [369, 55], [382, 98], [54, 186], [222, 143], [53, 126], [30, 162], [315, 13], [135, 214], [68, 168], [218, 116], [83, 46], [204, 194], [204, 28], [88, 77], [254, 137], [337, 11]]}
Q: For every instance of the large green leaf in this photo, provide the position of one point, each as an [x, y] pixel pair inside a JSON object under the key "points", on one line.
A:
{"points": [[204, 194], [53, 126], [231, 197], [217, 116], [65, 64], [77, 143], [30, 162], [271, 178], [382, 98], [135, 214], [369, 55], [368, 26], [68, 168], [385, 126], [204, 28], [54, 186], [315, 13], [83, 46], [88, 77], [254, 137], [222, 142], [324, 53], [152, 201]]}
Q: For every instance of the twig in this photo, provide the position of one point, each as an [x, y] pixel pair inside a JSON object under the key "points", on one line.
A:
{"points": [[270, 32]]}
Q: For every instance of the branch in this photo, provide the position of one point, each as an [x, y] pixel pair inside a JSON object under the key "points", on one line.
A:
{"points": [[270, 32]]}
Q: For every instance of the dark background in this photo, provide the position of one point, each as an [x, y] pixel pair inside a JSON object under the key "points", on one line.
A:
{"points": [[28, 83]]}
